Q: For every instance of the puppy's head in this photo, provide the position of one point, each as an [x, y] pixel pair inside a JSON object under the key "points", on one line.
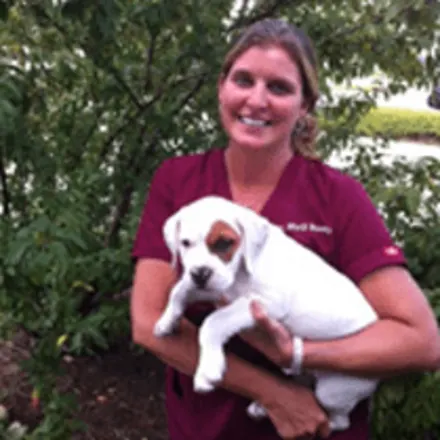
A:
{"points": [[213, 236]]}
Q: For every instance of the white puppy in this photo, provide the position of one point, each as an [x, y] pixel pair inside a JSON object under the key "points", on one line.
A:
{"points": [[229, 251]]}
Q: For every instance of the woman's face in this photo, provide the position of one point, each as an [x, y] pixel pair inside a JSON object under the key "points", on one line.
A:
{"points": [[261, 99]]}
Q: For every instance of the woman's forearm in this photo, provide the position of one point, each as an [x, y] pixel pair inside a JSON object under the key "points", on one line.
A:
{"points": [[181, 351], [292, 408], [406, 337], [385, 348]]}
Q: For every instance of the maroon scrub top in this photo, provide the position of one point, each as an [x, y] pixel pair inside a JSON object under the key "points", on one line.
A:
{"points": [[320, 207]]}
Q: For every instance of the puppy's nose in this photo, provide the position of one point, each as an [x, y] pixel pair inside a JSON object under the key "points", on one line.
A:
{"points": [[201, 275]]}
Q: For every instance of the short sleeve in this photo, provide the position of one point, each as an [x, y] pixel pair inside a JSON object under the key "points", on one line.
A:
{"points": [[363, 244], [149, 242]]}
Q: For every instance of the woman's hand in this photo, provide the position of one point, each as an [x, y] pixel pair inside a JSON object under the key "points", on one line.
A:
{"points": [[270, 337], [295, 412], [292, 408]]}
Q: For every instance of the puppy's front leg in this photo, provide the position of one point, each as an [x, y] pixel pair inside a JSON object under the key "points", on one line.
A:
{"points": [[215, 331], [174, 310]]}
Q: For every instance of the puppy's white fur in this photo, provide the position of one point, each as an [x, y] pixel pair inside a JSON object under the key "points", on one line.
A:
{"points": [[295, 285]]}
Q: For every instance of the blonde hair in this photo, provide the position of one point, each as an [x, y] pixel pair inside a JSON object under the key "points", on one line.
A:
{"points": [[299, 47]]}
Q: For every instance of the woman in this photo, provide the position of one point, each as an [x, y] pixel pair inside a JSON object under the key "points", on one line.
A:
{"points": [[267, 92]]}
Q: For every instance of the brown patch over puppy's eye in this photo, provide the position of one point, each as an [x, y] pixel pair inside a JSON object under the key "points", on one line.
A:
{"points": [[222, 244], [222, 240]]}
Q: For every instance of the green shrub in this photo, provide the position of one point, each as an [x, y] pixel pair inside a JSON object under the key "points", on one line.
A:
{"points": [[398, 123], [408, 194], [98, 93]]}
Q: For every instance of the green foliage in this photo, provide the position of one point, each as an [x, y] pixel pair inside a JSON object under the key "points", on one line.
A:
{"points": [[414, 408], [395, 123], [58, 423], [408, 406], [408, 194], [94, 95]]}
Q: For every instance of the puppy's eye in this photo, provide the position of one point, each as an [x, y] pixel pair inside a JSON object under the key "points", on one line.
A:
{"points": [[222, 244], [186, 243]]}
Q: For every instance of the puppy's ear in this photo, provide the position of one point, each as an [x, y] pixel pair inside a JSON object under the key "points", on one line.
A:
{"points": [[170, 231], [254, 231]]}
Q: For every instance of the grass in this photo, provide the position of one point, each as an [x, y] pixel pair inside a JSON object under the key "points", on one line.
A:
{"points": [[397, 123]]}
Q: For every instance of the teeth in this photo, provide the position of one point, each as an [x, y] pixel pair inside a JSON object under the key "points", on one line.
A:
{"points": [[254, 122]]}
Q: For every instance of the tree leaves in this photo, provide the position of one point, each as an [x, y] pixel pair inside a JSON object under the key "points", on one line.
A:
{"points": [[94, 95]]}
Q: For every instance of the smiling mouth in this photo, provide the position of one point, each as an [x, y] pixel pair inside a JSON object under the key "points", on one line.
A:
{"points": [[253, 122]]}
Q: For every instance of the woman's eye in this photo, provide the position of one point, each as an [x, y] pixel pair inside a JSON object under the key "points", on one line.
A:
{"points": [[243, 80], [280, 88], [222, 245]]}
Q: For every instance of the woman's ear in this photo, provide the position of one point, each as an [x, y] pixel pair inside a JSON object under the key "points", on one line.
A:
{"points": [[305, 107]]}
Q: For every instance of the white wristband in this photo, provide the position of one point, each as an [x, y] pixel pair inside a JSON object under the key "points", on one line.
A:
{"points": [[297, 357]]}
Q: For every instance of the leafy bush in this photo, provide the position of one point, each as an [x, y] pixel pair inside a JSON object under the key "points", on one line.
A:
{"points": [[395, 123], [95, 94], [408, 195]]}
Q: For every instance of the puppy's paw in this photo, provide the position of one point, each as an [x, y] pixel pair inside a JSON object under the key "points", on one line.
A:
{"points": [[163, 327], [339, 422], [202, 384], [256, 411], [210, 372]]}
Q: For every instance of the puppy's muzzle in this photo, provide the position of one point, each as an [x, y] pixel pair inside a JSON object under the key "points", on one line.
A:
{"points": [[201, 275]]}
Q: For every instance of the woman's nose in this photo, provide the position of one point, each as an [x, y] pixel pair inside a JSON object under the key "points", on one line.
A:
{"points": [[258, 96]]}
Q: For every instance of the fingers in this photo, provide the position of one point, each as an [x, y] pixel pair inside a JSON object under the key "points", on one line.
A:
{"points": [[324, 429], [274, 328], [257, 310], [260, 315]]}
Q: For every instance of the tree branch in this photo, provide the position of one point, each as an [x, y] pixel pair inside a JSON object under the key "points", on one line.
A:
{"points": [[117, 76], [111, 69], [243, 9], [376, 20], [119, 214], [5, 190], [129, 120], [137, 164], [149, 64], [191, 94], [92, 128], [266, 13]]}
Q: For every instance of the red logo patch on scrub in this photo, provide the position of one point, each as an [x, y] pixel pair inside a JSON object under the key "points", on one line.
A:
{"points": [[391, 251]]}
